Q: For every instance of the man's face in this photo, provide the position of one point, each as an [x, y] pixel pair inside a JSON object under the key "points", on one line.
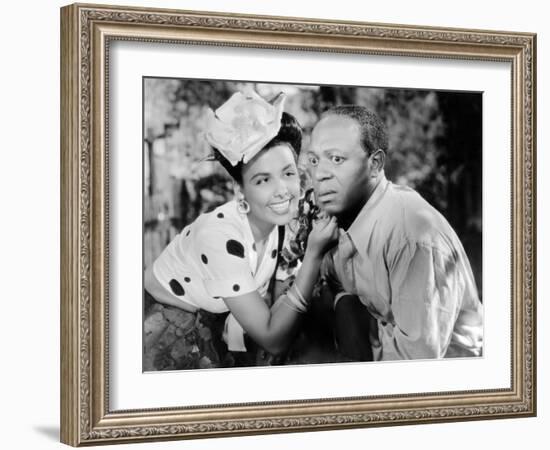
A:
{"points": [[339, 166]]}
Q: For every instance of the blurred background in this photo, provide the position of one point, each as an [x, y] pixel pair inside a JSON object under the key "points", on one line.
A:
{"points": [[434, 147]]}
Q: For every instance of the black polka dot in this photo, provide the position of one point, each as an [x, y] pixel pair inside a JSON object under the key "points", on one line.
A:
{"points": [[254, 246], [273, 253], [235, 248], [220, 215], [188, 231], [187, 279], [236, 287], [176, 287], [204, 259]]}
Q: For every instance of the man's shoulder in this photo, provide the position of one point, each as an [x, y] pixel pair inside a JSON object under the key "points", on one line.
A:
{"points": [[418, 220]]}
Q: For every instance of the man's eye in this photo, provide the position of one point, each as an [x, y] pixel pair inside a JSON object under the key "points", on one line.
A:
{"points": [[290, 173], [313, 160], [337, 159]]}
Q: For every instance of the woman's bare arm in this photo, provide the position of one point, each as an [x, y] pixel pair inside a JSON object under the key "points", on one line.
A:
{"points": [[273, 328]]}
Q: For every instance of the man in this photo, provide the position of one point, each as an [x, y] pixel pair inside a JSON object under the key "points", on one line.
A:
{"points": [[396, 253]]}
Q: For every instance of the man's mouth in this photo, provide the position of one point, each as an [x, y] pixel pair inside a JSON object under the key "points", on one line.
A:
{"points": [[325, 196], [280, 207]]}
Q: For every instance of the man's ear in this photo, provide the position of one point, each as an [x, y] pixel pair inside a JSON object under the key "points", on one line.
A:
{"points": [[378, 160]]}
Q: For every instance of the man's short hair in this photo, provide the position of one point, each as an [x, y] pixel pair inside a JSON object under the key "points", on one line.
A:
{"points": [[374, 135]]}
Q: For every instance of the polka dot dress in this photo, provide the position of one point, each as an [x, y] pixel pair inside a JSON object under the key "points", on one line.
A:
{"points": [[214, 258]]}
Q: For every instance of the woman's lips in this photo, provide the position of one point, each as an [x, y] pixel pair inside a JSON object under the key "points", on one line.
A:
{"points": [[280, 207]]}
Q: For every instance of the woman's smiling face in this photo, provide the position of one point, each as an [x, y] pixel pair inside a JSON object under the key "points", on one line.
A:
{"points": [[271, 186]]}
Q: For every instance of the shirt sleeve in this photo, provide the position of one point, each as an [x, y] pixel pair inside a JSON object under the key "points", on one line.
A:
{"points": [[223, 255], [427, 290]]}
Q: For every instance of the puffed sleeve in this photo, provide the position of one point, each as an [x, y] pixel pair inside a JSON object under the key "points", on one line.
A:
{"points": [[427, 287], [223, 255]]}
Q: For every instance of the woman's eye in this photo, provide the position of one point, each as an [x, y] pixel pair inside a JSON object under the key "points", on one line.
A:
{"points": [[261, 181], [337, 159], [290, 173]]}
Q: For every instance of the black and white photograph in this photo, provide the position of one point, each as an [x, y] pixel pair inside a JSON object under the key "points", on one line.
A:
{"points": [[292, 224], [285, 222]]}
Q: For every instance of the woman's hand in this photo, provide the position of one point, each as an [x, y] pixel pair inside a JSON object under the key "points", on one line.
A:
{"points": [[323, 236]]}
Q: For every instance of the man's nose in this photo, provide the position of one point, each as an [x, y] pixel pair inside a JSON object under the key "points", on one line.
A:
{"points": [[322, 172]]}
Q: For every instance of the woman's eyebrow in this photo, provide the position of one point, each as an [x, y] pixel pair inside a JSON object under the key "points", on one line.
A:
{"points": [[260, 174], [267, 174]]}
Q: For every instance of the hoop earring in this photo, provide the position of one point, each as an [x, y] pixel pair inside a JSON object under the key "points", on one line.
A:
{"points": [[242, 206]]}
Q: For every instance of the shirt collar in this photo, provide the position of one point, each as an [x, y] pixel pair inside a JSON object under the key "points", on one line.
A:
{"points": [[357, 230]]}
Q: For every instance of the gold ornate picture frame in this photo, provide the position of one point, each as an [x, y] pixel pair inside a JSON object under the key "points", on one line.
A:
{"points": [[87, 32]]}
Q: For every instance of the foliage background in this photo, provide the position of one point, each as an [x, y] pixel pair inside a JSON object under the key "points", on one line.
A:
{"points": [[435, 141]]}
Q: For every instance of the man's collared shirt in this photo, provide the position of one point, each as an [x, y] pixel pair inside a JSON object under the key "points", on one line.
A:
{"points": [[408, 267]]}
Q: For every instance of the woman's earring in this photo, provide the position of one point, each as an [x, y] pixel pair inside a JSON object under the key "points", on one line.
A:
{"points": [[242, 205]]}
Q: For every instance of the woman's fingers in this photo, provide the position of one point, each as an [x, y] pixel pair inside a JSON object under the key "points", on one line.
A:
{"points": [[331, 225], [327, 221], [336, 231], [320, 223], [322, 215], [330, 229]]}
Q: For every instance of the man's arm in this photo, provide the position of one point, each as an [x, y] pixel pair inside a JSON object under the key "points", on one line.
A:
{"points": [[427, 291]]}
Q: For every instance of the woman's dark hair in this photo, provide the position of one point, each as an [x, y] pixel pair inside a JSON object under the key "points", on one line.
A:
{"points": [[290, 133]]}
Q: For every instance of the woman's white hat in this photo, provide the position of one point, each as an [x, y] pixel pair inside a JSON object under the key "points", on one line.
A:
{"points": [[243, 125]]}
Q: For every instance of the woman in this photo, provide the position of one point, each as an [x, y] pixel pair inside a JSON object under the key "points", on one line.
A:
{"points": [[226, 259]]}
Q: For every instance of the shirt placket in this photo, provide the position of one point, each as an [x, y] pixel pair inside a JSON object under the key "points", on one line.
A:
{"points": [[346, 251]]}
